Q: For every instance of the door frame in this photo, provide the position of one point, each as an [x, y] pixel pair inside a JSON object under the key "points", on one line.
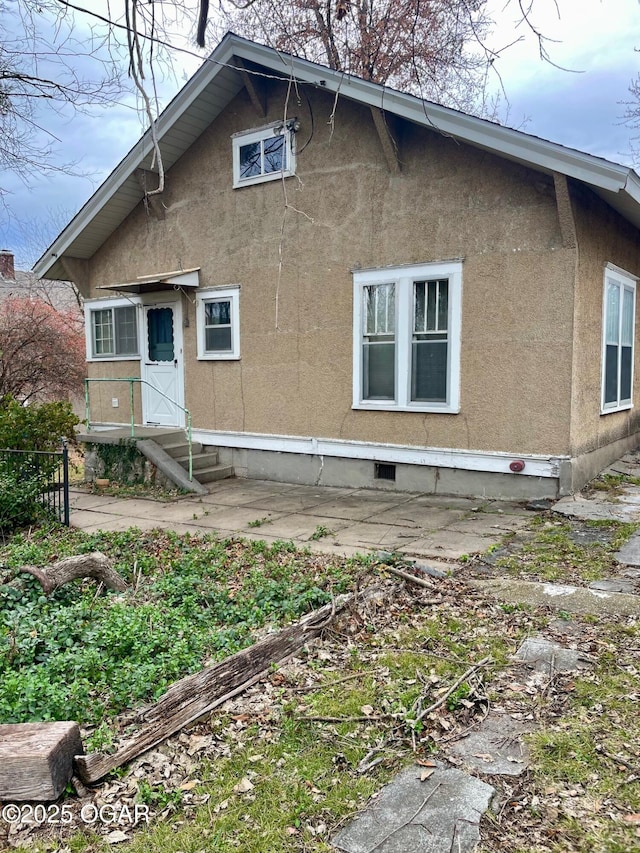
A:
{"points": [[174, 302]]}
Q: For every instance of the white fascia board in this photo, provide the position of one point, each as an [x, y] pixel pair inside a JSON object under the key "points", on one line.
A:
{"points": [[632, 187], [439, 457], [123, 171]]}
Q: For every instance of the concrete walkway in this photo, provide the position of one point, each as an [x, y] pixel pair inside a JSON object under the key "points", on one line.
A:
{"points": [[325, 519]]}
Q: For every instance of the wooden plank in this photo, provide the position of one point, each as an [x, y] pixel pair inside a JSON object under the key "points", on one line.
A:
{"points": [[36, 759], [256, 93], [389, 145], [190, 698]]}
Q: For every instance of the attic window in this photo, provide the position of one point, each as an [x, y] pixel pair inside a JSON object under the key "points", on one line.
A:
{"points": [[262, 155]]}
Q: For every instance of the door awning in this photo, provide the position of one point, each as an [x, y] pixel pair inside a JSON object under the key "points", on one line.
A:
{"points": [[174, 280]]}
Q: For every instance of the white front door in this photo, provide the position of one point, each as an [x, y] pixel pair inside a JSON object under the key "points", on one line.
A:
{"points": [[162, 365]]}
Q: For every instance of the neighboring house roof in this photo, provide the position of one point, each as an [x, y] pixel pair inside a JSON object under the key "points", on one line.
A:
{"points": [[219, 80], [24, 284]]}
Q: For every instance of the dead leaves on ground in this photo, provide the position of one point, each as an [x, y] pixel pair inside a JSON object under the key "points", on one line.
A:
{"points": [[362, 647]]}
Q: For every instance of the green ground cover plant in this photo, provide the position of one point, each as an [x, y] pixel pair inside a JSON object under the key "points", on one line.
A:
{"points": [[280, 767], [87, 655]]}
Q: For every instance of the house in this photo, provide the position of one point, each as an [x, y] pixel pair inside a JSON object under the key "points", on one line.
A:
{"points": [[41, 337], [346, 285]]}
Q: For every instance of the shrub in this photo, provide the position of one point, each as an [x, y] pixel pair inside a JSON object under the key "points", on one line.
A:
{"points": [[19, 497], [35, 427]]}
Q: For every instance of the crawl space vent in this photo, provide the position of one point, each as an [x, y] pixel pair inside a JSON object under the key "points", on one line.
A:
{"points": [[385, 471]]}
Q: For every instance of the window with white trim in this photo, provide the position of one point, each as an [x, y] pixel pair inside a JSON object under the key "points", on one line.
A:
{"points": [[618, 340], [406, 342], [113, 331], [218, 319], [263, 155]]}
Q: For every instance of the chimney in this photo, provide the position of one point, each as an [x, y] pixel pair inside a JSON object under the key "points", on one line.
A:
{"points": [[7, 271]]}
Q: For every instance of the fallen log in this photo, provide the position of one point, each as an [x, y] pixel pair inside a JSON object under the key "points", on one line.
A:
{"points": [[196, 695], [94, 565]]}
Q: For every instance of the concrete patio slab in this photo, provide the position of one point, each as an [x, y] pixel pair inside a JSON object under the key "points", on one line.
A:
{"points": [[563, 597], [139, 508], [360, 520], [323, 492], [451, 502], [122, 523], [384, 537], [548, 657], [302, 527], [92, 520], [288, 502], [448, 544], [482, 523], [236, 492], [350, 507], [385, 495], [438, 815], [412, 514], [331, 546], [495, 747], [85, 500], [234, 518], [508, 508], [597, 509]]}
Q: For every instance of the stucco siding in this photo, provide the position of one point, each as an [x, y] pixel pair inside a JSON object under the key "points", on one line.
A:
{"points": [[603, 237], [292, 246], [102, 394]]}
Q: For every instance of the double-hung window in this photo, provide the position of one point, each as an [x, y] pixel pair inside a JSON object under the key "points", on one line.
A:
{"points": [[618, 339], [113, 331], [218, 321], [406, 343], [263, 155]]}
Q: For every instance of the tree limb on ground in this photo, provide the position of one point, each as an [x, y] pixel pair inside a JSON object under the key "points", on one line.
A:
{"points": [[407, 577], [94, 565], [484, 662]]}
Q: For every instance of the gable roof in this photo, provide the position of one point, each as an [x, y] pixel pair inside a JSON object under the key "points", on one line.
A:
{"points": [[218, 80]]}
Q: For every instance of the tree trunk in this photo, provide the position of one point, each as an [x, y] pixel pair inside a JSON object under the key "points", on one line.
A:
{"points": [[95, 565]]}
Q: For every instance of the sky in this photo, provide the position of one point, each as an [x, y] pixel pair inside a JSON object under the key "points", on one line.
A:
{"points": [[580, 107]]}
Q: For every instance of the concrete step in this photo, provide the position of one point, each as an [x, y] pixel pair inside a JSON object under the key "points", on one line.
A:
{"points": [[215, 472], [179, 449], [205, 462], [200, 460], [162, 436]]}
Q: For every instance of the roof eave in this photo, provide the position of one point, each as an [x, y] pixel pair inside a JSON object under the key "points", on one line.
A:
{"points": [[617, 184], [48, 263]]}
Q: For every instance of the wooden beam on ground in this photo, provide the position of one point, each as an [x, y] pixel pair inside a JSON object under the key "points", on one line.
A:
{"points": [[36, 760], [148, 182], [389, 145], [196, 695], [254, 90]]}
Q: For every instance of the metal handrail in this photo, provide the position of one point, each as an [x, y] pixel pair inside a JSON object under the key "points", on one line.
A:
{"points": [[131, 380]]}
